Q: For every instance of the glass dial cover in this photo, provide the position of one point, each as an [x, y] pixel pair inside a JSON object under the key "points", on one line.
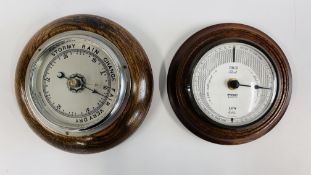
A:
{"points": [[76, 82], [234, 84]]}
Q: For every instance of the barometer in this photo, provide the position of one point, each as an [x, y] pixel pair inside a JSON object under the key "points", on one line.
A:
{"points": [[229, 83], [83, 83]]}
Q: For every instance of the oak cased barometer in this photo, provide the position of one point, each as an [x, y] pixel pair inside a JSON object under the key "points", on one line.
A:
{"points": [[83, 83]]}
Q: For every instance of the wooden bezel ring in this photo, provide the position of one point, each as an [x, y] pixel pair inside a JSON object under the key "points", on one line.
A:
{"points": [[140, 93], [190, 52]]}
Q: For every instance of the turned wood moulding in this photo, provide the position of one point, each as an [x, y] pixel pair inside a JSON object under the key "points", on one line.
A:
{"points": [[229, 83], [83, 83]]}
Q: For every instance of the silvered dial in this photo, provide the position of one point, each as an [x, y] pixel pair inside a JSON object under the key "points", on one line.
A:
{"points": [[234, 84], [76, 82]]}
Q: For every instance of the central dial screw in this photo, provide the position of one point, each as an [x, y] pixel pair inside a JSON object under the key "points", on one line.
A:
{"points": [[76, 83], [233, 83], [73, 83]]}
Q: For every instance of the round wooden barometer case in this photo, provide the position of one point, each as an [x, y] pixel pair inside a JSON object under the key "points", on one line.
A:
{"points": [[229, 83], [83, 83]]}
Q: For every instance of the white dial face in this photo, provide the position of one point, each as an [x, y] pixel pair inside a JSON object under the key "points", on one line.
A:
{"points": [[75, 81], [234, 84]]}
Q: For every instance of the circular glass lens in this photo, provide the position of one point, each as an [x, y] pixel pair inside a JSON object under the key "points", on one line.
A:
{"points": [[75, 81], [234, 84]]}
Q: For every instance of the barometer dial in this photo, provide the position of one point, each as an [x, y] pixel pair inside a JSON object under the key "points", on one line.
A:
{"points": [[234, 84], [83, 83], [75, 81], [229, 83]]}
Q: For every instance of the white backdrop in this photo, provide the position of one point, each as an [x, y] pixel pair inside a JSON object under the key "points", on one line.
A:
{"points": [[162, 145]]}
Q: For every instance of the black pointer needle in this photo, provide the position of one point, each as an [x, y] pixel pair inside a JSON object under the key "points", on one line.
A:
{"points": [[245, 85], [256, 86], [94, 91], [234, 84], [259, 87], [61, 75]]}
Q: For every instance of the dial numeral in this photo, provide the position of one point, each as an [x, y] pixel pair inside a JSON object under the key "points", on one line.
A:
{"points": [[94, 60]]}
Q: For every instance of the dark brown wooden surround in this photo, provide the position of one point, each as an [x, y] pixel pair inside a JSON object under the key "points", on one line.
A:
{"points": [[139, 97], [181, 69]]}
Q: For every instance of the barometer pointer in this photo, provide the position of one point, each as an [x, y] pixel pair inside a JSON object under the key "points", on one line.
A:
{"points": [[62, 75], [245, 85], [94, 91], [234, 84], [256, 86], [259, 87]]}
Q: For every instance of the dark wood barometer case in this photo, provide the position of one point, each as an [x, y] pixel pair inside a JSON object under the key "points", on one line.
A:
{"points": [[229, 83]]}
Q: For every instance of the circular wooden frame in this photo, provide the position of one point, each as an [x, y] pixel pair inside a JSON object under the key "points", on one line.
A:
{"points": [[133, 111], [192, 50]]}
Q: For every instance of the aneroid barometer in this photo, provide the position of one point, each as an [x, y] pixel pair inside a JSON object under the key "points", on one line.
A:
{"points": [[229, 83], [83, 83]]}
